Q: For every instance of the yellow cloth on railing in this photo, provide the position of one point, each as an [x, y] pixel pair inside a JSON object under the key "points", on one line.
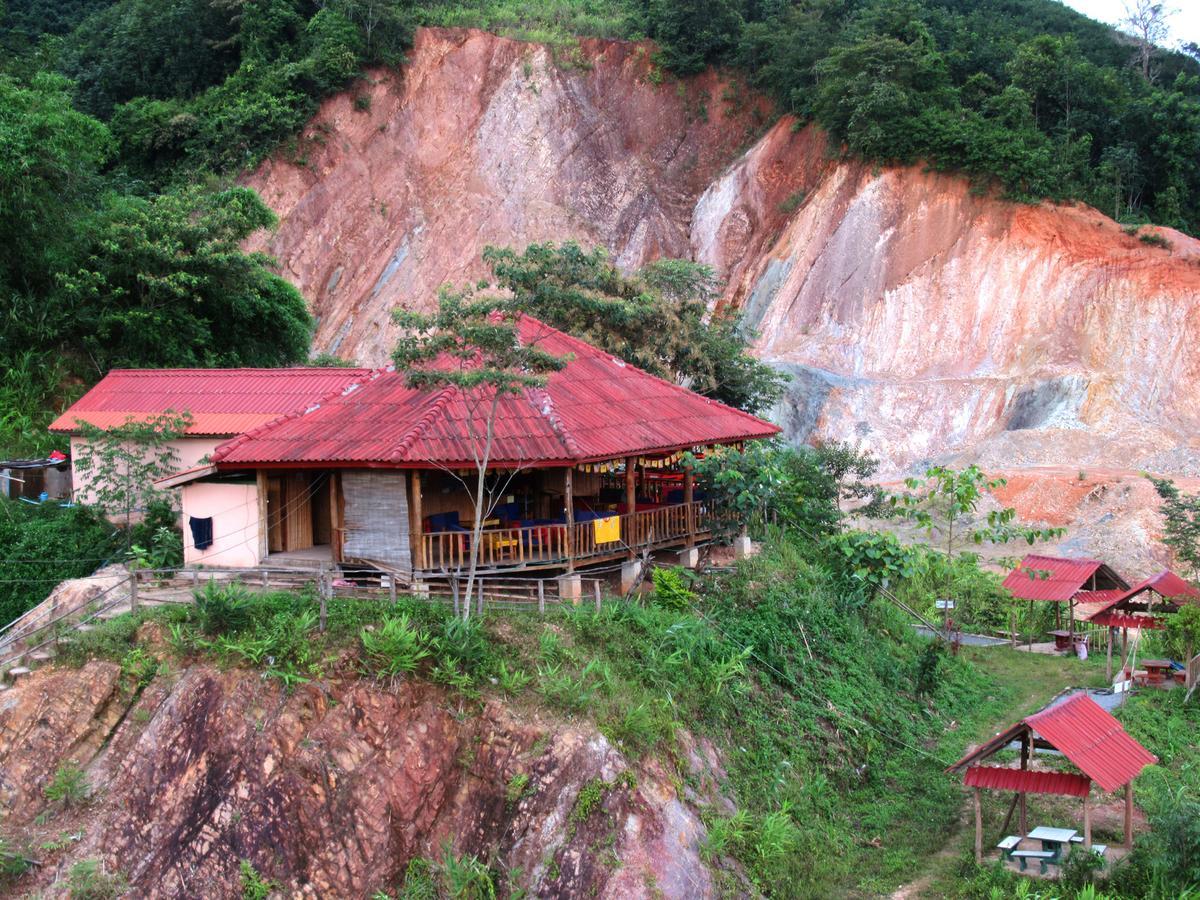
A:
{"points": [[607, 530]]}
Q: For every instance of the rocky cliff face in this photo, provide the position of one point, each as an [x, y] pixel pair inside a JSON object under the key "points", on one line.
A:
{"points": [[920, 319], [329, 791]]}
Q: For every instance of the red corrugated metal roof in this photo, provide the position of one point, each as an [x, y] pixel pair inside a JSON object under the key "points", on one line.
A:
{"points": [[1054, 578], [221, 401], [597, 407], [1109, 619], [1027, 781], [1092, 740], [1166, 584]]}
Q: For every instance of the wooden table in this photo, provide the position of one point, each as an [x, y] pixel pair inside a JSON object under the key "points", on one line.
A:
{"points": [[1053, 839], [1157, 670], [1062, 639]]}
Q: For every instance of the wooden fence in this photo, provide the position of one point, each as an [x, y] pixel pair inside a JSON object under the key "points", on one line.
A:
{"points": [[558, 543]]}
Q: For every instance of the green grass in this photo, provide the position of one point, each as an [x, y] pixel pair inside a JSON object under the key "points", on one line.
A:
{"points": [[834, 759]]}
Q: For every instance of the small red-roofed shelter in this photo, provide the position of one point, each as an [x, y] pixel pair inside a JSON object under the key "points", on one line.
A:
{"points": [[1063, 581], [1086, 735], [1143, 606]]}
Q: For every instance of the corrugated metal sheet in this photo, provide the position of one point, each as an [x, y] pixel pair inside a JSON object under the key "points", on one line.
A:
{"points": [[1092, 740], [221, 401], [1027, 781], [1054, 578], [597, 407], [1166, 584], [1109, 619]]}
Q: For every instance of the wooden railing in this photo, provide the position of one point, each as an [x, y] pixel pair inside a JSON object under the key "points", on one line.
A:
{"points": [[450, 551]]}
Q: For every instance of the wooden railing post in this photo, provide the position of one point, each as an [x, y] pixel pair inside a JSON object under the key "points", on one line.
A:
{"points": [[541, 596], [133, 591]]}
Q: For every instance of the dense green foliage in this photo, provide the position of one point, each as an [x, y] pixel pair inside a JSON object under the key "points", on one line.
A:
{"points": [[41, 545], [1026, 92], [656, 318], [95, 272]]}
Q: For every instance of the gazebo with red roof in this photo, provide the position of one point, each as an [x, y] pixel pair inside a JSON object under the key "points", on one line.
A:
{"points": [[1143, 606], [1091, 740], [1063, 581], [586, 468]]}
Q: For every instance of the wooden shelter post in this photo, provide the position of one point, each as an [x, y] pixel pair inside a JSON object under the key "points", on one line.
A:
{"points": [[631, 503], [1030, 626], [1129, 815], [1071, 623], [1108, 657], [978, 829], [689, 491], [569, 500], [1024, 765], [416, 519], [1087, 823]]}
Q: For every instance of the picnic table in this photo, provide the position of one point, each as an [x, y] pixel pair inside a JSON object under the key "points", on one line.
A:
{"points": [[1062, 639], [1157, 670], [1053, 840]]}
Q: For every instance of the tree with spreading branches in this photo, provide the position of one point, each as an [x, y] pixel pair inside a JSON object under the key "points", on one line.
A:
{"points": [[473, 344]]}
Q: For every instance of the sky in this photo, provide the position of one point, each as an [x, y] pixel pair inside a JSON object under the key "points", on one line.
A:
{"points": [[1184, 24]]}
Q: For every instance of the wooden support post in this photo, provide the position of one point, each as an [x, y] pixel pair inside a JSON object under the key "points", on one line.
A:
{"points": [[133, 592], [1030, 626], [416, 520], [541, 596], [978, 829], [1024, 765], [1108, 658], [264, 546], [689, 493], [1129, 815], [596, 585], [454, 593], [479, 608], [335, 518], [1008, 816], [1087, 824], [631, 504], [1071, 624], [569, 500], [392, 588], [1058, 616], [326, 588]]}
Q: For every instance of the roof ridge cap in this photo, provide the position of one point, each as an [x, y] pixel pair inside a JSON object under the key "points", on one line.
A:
{"points": [[671, 384], [223, 450], [544, 405], [437, 407]]}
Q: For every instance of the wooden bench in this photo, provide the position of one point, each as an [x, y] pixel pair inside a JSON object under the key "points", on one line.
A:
{"points": [[1042, 856], [1009, 844]]}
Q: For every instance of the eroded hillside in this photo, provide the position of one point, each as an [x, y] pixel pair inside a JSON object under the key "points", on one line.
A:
{"points": [[921, 319]]}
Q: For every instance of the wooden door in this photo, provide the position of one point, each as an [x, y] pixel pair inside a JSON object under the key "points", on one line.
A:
{"points": [[275, 508], [298, 514]]}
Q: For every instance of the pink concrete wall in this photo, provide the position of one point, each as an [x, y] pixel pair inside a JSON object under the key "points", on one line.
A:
{"points": [[234, 511], [190, 451]]}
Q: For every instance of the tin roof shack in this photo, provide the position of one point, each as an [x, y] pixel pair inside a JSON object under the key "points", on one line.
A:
{"points": [[36, 480], [222, 403], [1145, 605], [1091, 740], [1063, 581], [584, 469]]}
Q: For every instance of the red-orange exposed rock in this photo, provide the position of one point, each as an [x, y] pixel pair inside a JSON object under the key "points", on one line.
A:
{"points": [[920, 318], [329, 791]]}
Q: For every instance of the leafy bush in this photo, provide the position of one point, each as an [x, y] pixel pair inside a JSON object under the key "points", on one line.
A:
{"points": [[88, 880], [221, 609], [254, 886], [43, 545], [670, 589], [13, 862], [395, 648], [68, 786]]}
